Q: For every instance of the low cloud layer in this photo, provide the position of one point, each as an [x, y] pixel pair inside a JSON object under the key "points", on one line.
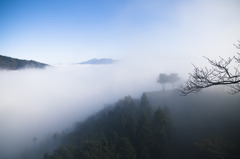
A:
{"points": [[37, 102]]}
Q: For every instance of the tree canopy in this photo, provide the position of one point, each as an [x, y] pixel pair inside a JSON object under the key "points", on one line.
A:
{"points": [[130, 129], [164, 78]]}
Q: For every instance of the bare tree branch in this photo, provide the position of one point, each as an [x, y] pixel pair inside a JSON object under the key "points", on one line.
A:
{"points": [[221, 72]]}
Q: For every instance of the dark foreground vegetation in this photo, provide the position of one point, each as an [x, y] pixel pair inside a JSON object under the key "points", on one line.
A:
{"points": [[159, 125], [128, 130]]}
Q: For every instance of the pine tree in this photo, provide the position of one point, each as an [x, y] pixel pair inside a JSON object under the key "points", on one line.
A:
{"points": [[144, 137], [125, 149], [160, 129], [145, 106]]}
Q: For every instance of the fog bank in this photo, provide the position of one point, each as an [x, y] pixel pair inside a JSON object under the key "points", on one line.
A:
{"points": [[37, 102]]}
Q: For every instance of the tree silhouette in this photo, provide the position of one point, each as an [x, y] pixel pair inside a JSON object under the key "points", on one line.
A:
{"points": [[222, 72], [163, 79]]}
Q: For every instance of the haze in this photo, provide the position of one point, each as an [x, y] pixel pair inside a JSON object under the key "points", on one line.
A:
{"points": [[37, 102], [147, 37]]}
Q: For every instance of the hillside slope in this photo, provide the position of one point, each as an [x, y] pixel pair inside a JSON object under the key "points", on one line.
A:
{"points": [[9, 63], [128, 130]]}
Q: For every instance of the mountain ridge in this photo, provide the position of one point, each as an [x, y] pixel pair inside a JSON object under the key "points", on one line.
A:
{"points": [[96, 61], [9, 63]]}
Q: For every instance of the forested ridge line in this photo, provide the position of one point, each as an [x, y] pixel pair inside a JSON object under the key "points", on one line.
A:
{"points": [[130, 129]]}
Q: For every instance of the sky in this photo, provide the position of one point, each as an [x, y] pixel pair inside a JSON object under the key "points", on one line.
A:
{"points": [[154, 31], [148, 37]]}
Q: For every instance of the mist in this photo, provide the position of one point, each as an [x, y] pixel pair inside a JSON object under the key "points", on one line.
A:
{"points": [[146, 37], [38, 102]]}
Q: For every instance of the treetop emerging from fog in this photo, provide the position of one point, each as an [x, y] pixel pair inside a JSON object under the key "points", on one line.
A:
{"points": [[222, 72], [165, 78]]}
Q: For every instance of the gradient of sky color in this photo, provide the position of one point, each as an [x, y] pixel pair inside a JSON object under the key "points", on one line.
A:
{"points": [[148, 37], [70, 31]]}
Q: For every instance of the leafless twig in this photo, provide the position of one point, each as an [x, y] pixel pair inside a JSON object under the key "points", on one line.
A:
{"points": [[221, 73]]}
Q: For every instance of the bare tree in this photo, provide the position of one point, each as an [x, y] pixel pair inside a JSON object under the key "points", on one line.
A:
{"points": [[222, 72]]}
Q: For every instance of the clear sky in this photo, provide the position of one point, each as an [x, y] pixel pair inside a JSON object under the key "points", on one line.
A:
{"points": [[70, 31]]}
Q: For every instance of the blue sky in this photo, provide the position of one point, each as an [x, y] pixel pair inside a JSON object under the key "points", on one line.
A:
{"points": [[148, 37], [69, 31]]}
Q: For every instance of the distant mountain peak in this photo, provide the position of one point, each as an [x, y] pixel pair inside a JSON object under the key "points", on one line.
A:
{"points": [[9, 63], [101, 61]]}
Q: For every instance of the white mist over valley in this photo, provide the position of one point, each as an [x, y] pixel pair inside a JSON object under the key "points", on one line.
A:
{"points": [[101, 79], [37, 102]]}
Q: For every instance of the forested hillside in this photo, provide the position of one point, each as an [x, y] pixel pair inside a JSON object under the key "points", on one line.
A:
{"points": [[158, 125], [130, 129], [207, 124], [9, 63]]}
